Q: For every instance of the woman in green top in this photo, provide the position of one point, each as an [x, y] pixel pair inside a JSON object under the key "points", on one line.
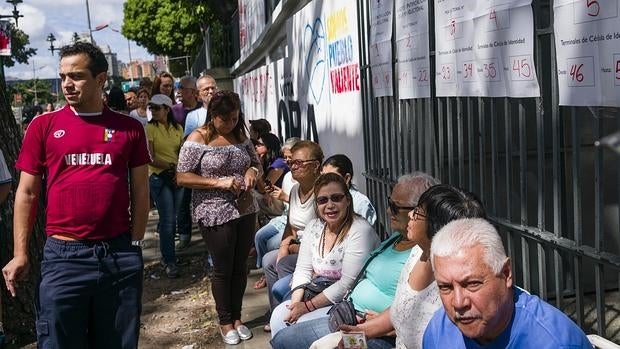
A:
{"points": [[165, 137]]}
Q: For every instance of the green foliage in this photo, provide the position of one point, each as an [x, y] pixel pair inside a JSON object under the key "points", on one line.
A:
{"points": [[19, 50], [162, 27], [27, 89]]}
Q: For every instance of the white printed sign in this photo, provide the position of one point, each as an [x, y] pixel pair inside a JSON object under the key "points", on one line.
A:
{"points": [[587, 42], [381, 47], [412, 49], [485, 48]]}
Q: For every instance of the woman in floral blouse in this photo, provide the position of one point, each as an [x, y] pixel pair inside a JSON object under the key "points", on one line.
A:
{"points": [[219, 163]]}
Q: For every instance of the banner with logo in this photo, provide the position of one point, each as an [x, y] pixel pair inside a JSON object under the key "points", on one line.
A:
{"points": [[314, 93]]}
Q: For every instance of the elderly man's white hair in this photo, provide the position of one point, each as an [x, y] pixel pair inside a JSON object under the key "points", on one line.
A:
{"points": [[418, 183], [469, 232]]}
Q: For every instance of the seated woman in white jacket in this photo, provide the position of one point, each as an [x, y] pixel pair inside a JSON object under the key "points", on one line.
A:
{"points": [[335, 246]]}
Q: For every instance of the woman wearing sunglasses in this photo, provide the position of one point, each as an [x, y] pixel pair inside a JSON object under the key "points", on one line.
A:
{"points": [[218, 161], [165, 137], [334, 247], [342, 165]]}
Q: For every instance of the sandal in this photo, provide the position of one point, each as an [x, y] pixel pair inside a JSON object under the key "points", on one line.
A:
{"points": [[261, 283]]}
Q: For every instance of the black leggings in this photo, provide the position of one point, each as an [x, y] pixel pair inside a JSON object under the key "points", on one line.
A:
{"points": [[229, 245]]}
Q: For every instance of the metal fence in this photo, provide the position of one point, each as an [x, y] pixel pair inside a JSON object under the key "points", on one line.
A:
{"points": [[552, 194]]}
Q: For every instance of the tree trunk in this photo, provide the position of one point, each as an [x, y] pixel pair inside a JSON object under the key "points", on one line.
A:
{"points": [[17, 313]]}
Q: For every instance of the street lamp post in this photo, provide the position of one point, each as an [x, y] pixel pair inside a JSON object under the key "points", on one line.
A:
{"points": [[15, 14], [34, 77], [90, 30], [51, 38]]}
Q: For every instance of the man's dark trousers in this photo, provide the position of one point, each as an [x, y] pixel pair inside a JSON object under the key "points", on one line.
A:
{"points": [[90, 294]]}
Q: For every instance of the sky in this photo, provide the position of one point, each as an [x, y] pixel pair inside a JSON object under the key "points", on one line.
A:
{"points": [[63, 18]]}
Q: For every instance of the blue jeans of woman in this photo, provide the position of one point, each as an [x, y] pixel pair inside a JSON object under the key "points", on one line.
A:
{"points": [[167, 198], [303, 334], [267, 239]]}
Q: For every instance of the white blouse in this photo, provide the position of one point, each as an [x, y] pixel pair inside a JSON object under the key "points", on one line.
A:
{"points": [[412, 310], [342, 263]]}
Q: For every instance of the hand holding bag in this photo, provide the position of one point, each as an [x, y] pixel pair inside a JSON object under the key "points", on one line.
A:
{"points": [[314, 287]]}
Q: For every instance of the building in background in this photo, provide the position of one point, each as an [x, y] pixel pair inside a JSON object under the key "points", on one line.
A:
{"points": [[113, 66]]}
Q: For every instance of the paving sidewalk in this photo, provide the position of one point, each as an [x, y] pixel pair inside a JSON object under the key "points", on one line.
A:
{"points": [[255, 302]]}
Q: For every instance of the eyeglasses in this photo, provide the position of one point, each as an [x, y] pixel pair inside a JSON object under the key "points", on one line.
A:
{"points": [[395, 208], [322, 200], [298, 162], [415, 214], [259, 144], [155, 107]]}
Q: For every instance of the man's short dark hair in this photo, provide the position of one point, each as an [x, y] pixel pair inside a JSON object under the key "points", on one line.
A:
{"points": [[98, 64]]}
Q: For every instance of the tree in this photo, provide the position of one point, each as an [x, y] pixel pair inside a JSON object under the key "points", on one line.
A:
{"points": [[19, 50], [162, 27], [17, 313], [177, 28], [27, 89]]}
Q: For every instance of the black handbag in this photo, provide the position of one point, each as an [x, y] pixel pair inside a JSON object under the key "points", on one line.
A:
{"points": [[168, 176], [344, 313], [314, 287]]}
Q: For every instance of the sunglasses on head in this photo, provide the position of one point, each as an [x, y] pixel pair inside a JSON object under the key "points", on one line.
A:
{"points": [[395, 208], [322, 200]]}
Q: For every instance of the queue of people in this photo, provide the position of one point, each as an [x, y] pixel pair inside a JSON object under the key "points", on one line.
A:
{"points": [[442, 279]]}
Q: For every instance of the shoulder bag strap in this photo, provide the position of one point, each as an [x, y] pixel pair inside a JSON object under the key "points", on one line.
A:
{"points": [[372, 256]]}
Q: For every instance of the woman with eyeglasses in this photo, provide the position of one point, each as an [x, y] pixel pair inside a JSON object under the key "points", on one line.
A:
{"points": [[219, 163], [417, 295], [268, 237], [165, 137], [305, 165], [334, 247]]}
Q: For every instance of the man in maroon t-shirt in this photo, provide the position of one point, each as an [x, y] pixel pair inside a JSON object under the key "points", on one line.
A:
{"points": [[91, 273]]}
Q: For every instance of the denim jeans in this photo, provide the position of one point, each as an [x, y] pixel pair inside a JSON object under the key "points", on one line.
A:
{"points": [[267, 239], [167, 198], [303, 334], [184, 218]]}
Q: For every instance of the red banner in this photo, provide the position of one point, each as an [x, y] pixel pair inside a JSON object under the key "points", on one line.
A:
{"points": [[5, 38]]}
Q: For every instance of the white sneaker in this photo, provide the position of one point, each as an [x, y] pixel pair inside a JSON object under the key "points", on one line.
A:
{"points": [[231, 337], [244, 332]]}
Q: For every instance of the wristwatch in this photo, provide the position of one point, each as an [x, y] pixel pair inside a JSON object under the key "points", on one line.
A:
{"points": [[139, 243]]}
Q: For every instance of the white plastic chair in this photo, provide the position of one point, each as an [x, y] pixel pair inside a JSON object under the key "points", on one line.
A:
{"points": [[602, 343]]}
